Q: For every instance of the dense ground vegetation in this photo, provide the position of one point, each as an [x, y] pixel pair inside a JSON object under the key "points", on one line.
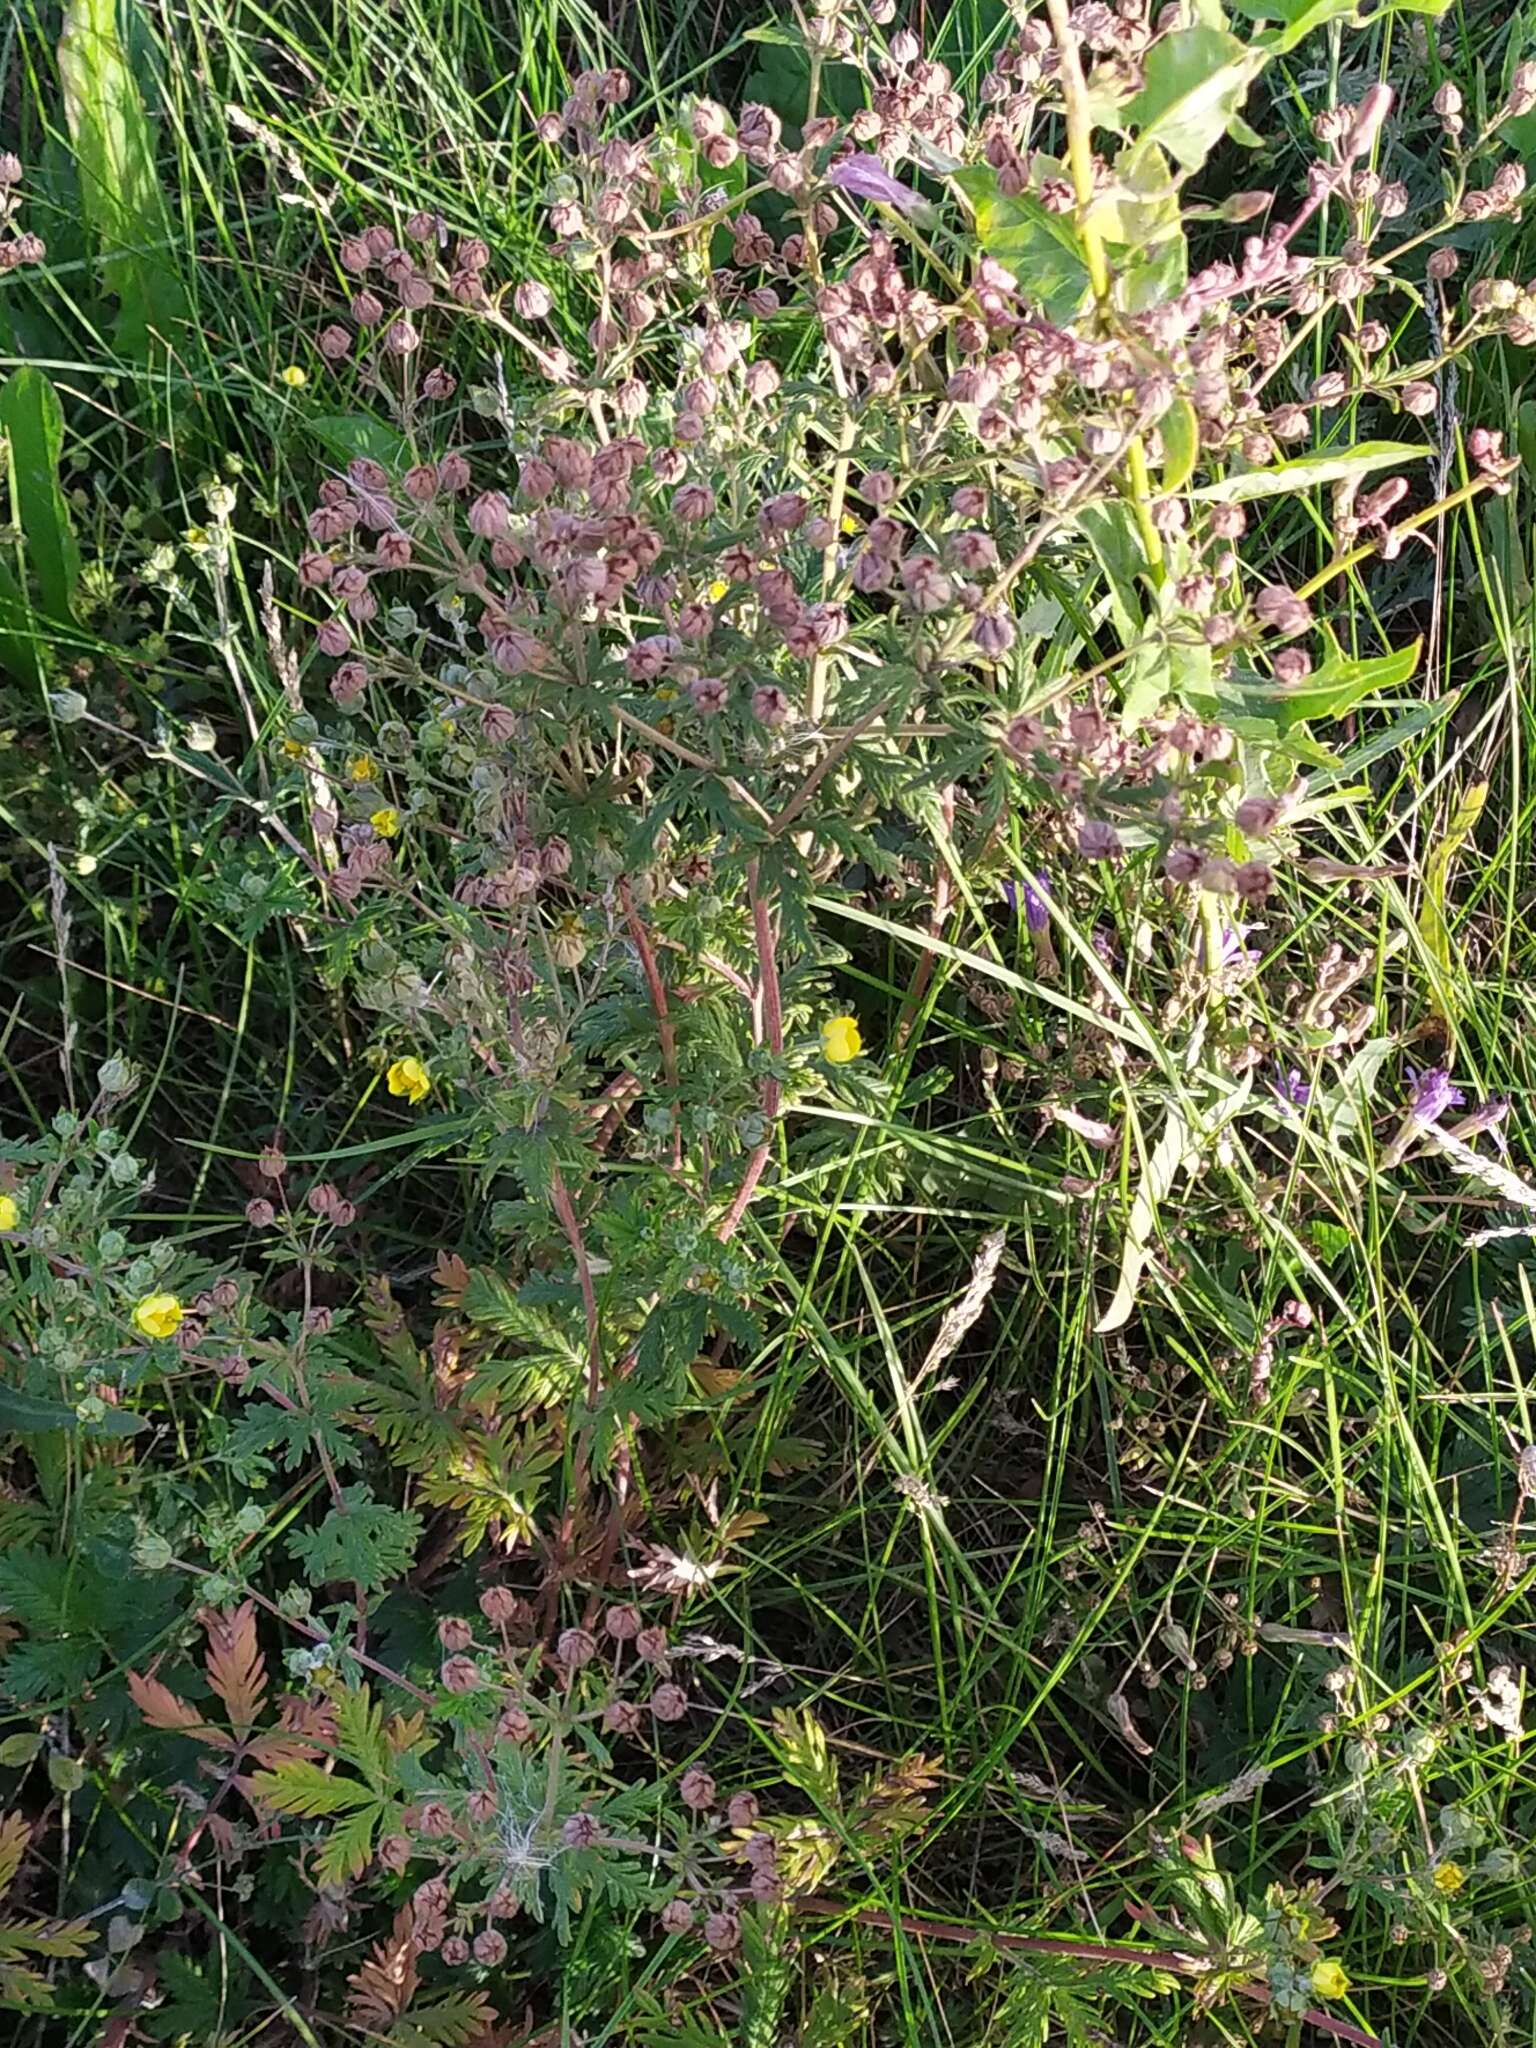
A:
{"points": [[766, 1037]]}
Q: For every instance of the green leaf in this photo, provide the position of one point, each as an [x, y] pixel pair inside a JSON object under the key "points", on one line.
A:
{"points": [[1040, 247], [120, 194], [360, 1735], [1193, 84], [18, 633], [33, 422], [1172, 1151], [303, 1788], [1330, 691], [346, 1849], [1433, 926], [1281, 478], [1297, 18], [32, 1415], [808, 1763], [348, 435], [362, 1540], [1180, 431]]}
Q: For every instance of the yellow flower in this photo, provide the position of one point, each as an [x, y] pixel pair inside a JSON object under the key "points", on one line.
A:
{"points": [[840, 1040], [718, 589], [295, 749], [361, 769], [158, 1315], [293, 377], [1449, 1877], [850, 524], [1329, 1979], [10, 1215], [386, 822], [408, 1077]]}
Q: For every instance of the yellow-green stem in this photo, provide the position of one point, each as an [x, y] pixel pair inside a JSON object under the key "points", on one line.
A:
{"points": [[1074, 92]]}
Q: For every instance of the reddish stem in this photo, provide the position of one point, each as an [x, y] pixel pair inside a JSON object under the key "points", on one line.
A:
{"points": [[657, 987], [564, 1209], [768, 1027]]}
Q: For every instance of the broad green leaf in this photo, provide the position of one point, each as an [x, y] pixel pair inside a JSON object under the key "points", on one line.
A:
{"points": [[33, 1415], [120, 193], [1193, 84], [1180, 431], [33, 423], [348, 435], [1143, 228], [1173, 1149], [1041, 248], [18, 633], [1281, 478], [1331, 690]]}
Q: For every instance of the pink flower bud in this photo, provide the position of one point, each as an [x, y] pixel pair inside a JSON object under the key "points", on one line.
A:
{"points": [[513, 1725], [489, 515], [576, 1647], [676, 1916], [694, 503], [669, 1702], [697, 1790], [532, 300], [454, 1633], [455, 1951], [743, 1810], [460, 1675], [622, 1718], [723, 1932], [498, 1604], [260, 1214], [332, 637], [367, 309]]}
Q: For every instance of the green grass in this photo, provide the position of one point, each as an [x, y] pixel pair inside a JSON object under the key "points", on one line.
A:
{"points": [[1100, 1587]]}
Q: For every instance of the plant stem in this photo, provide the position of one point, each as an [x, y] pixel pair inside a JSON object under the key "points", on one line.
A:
{"points": [[770, 1029], [1079, 119]]}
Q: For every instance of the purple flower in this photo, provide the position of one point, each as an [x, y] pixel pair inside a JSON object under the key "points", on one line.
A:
{"points": [[1291, 1090], [1034, 896], [867, 178], [1231, 946], [1433, 1094], [1487, 1116]]}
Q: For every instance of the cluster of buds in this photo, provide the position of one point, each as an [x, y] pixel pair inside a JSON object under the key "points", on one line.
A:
{"points": [[17, 246], [491, 1837]]}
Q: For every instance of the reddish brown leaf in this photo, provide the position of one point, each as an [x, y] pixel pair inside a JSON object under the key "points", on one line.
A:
{"points": [[236, 1668], [386, 1983], [305, 1728], [162, 1708]]}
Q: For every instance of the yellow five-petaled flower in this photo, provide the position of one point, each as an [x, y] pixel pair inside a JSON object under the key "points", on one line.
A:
{"points": [[386, 822], [158, 1315], [408, 1077], [10, 1215], [293, 377], [1449, 1877], [1329, 1979], [840, 1040]]}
